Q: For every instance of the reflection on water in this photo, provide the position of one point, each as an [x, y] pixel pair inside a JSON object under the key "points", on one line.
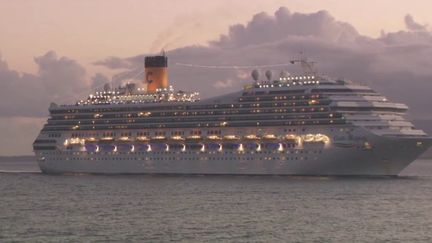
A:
{"points": [[145, 208]]}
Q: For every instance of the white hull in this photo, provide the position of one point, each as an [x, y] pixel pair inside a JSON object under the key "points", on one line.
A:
{"points": [[388, 157]]}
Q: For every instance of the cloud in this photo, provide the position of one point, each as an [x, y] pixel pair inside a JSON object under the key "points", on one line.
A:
{"points": [[114, 63], [60, 76], [412, 25], [241, 74], [223, 83], [29, 95], [98, 81], [396, 64], [18, 134], [264, 28]]}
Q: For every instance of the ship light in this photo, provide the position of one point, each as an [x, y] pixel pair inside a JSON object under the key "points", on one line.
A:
{"points": [[252, 137], [91, 139], [290, 137], [230, 137], [299, 141], [184, 148], [202, 148], [269, 136], [280, 148], [144, 114], [312, 102], [259, 148], [194, 137], [149, 149], [124, 138], [76, 141], [220, 148], [367, 145], [142, 138], [322, 138], [158, 137], [115, 148], [133, 148], [166, 147], [213, 137], [177, 138], [309, 138], [97, 148], [107, 138], [241, 149]]}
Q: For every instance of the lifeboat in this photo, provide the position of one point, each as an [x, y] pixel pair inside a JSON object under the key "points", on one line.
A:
{"points": [[193, 138], [214, 147], [231, 137], [90, 140], [158, 138], [213, 138], [291, 138], [308, 138], [177, 138], [74, 141], [74, 144], [251, 137], [123, 139], [321, 138], [142, 139], [269, 137], [106, 139]]}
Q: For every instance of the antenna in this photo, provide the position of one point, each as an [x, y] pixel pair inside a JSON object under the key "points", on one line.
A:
{"points": [[307, 66]]}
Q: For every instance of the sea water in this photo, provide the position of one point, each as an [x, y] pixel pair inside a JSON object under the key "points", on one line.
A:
{"points": [[147, 208]]}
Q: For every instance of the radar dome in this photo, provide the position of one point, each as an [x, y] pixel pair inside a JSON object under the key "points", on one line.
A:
{"points": [[255, 74], [268, 75]]}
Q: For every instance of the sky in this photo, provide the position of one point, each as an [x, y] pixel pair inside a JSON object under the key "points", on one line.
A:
{"points": [[58, 51]]}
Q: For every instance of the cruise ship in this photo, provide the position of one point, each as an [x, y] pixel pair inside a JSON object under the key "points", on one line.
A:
{"points": [[305, 124]]}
